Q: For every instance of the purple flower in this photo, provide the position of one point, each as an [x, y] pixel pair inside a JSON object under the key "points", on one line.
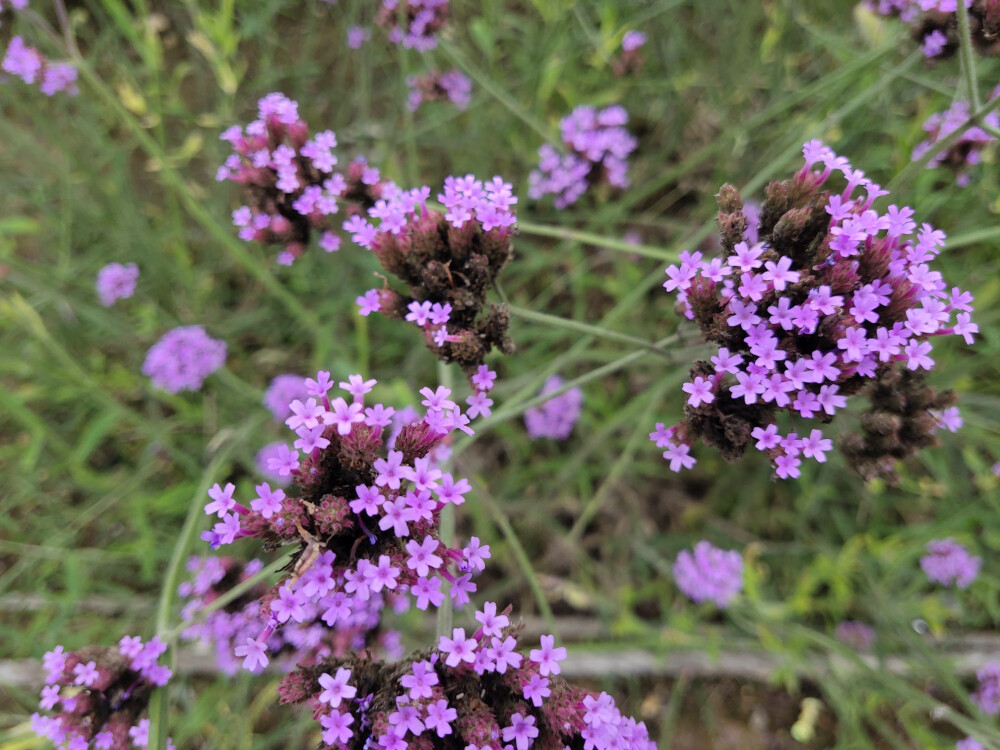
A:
{"points": [[987, 695], [255, 655], [281, 392], [709, 574], [183, 358], [357, 36], [555, 418], [116, 281], [452, 85], [599, 148], [633, 40], [859, 635], [949, 563]]}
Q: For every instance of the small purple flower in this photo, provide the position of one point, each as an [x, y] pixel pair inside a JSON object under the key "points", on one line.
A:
{"points": [[281, 392], [183, 358], [116, 281], [709, 574], [633, 40], [555, 418], [949, 563], [987, 695]]}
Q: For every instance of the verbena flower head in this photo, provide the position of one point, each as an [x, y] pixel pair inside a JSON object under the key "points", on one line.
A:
{"points": [[631, 59], [116, 281], [935, 26], [99, 694], [947, 562], [987, 695], [32, 67], [413, 23], [474, 690], [968, 744], [357, 36], [598, 148], [448, 261], [281, 392], [709, 574], [451, 86], [295, 191], [836, 298], [303, 641], [183, 358], [556, 417], [362, 516], [964, 153], [859, 635]]}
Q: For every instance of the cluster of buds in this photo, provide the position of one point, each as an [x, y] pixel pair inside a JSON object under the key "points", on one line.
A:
{"points": [[966, 152], [598, 148], [469, 692], [448, 262], [305, 642], [364, 524], [631, 58], [414, 23], [292, 181], [832, 298], [100, 694], [935, 23], [31, 66], [451, 86]]}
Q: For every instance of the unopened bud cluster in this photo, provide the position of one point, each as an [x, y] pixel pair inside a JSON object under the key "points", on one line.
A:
{"points": [[448, 261]]}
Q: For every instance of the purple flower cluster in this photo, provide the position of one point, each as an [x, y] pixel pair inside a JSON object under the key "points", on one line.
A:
{"points": [[987, 695], [365, 525], [947, 562], [99, 694], [835, 296], [28, 64], [858, 635], [415, 23], [183, 358], [452, 86], [15, 4], [968, 744], [357, 36], [633, 40], [935, 25], [709, 574], [291, 179], [598, 148], [299, 642], [281, 392], [116, 281], [967, 151], [556, 417], [472, 691], [449, 262]]}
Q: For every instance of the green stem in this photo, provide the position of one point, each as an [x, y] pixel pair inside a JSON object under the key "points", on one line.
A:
{"points": [[502, 521], [967, 55], [554, 321], [588, 238], [231, 595], [159, 703], [499, 94], [446, 527]]}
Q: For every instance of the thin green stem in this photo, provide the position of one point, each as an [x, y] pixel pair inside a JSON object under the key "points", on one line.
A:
{"points": [[502, 521], [967, 55], [231, 595], [915, 167], [554, 321], [588, 238], [488, 85]]}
